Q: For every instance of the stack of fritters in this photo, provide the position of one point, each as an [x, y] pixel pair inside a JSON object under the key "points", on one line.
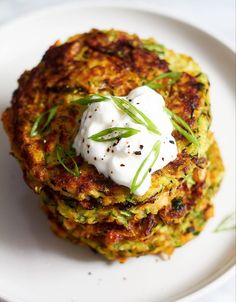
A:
{"points": [[90, 208]]}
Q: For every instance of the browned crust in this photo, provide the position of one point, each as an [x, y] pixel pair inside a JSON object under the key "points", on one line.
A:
{"points": [[112, 65]]}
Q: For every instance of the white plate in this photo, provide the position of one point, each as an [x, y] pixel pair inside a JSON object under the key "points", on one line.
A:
{"points": [[37, 266]]}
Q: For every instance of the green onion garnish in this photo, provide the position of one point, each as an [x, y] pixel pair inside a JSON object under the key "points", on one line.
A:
{"points": [[155, 85], [180, 125], [61, 156], [229, 223], [138, 116], [143, 174], [89, 99], [175, 76], [111, 134], [125, 213], [42, 121], [159, 48]]}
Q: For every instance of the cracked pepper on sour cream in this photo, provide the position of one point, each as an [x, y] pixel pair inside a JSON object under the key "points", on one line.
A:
{"points": [[120, 159]]}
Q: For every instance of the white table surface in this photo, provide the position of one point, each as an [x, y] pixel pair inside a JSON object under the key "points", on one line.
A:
{"points": [[214, 16]]}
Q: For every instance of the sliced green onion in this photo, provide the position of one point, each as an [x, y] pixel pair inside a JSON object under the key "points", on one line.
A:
{"points": [[43, 120], [61, 156], [185, 130], [159, 48], [171, 75], [143, 174], [155, 85], [89, 99], [229, 223], [138, 116], [111, 134], [175, 76], [125, 213], [189, 137], [124, 105]]}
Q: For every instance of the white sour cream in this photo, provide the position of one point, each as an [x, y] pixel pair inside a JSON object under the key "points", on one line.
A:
{"points": [[120, 161]]}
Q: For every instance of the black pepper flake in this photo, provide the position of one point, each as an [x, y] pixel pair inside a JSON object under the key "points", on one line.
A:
{"points": [[88, 151], [172, 142], [90, 116], [162, 158], [102, 158], [122, 165], [95, 158], [150, 170], [79, 121], [128, 146], [129, 100], [112, 151], [137, 152], [111, 172], [88, 146], [108, 149], [83, 140], [95, 110], [137, 103], [141, 147], [89, 273], [116, 142]]}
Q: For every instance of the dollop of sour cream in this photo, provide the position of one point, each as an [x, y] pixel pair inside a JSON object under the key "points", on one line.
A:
{"points": [[121, 159]]}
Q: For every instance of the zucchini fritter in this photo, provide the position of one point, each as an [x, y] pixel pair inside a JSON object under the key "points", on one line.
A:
{"points": [[85, 208]]}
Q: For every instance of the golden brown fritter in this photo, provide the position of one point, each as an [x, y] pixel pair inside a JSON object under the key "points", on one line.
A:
{"points": [[162, 231], [99, 62], [90, 208], [153, 234]]}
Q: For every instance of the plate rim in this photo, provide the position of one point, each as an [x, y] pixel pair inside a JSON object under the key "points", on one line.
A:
{"points": [[114, 4], [229, 268]]}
